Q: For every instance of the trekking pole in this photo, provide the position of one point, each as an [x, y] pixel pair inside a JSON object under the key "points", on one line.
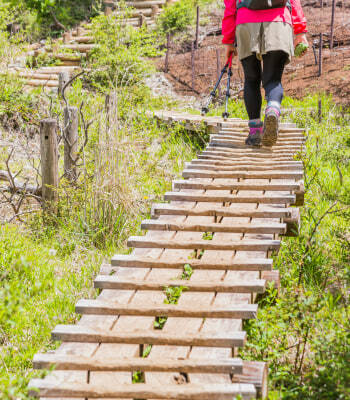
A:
{"points": [[205, 108], [225, 114]]}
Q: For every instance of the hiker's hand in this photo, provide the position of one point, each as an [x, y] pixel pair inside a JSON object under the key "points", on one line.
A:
{"points": [[230, 49], [301, 39]]}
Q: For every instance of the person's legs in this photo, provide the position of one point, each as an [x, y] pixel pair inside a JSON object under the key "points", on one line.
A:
{"points": [[252, 97], [274, 62]]}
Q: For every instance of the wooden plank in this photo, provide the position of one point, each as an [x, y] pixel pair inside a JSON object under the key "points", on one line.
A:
{"points": [[269, 174], [231, 198], [243, 167], [115, 363], [264, 245], [254, 372], [263, 212], [244, 264], [243, 286], [195, 184], [130, 391], [98, 307], [263, 162], [240, 227], [77, 333]]}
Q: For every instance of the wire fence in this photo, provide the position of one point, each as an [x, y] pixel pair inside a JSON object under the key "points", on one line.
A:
{"points": [[196, 67]]}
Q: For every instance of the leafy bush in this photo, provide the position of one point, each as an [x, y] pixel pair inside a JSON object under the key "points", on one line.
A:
{"points": [[176, 17]]}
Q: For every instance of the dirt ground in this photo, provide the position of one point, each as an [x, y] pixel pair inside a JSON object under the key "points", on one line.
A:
{"points": [[301, 76]]}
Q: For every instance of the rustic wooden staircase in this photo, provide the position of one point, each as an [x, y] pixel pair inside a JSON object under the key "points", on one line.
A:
{"points": [[170, 313]]}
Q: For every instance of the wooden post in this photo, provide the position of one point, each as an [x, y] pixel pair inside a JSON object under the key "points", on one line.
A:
{"points": [[320, 61], [320, 110], [155, 10], [108, 11], [166, 63], [142, 19], [197, 28], [192, 63], [331, 40], [79, 31], [70, 142], [63, 79], [218, 70], [49, 161], [66, 37]]}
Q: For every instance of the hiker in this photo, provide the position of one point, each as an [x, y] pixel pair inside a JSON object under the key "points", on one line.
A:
{"points": [[264, 38]]}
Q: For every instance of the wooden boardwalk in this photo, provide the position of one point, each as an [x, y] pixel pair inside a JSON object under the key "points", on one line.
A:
{"points": [[209, 250]]}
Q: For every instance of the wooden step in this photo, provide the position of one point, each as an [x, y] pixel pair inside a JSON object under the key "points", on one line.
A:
{"points": [[98, 307], [80, 333], [186, 391], [270, 174], [264, 162], [231, 198], [243, 245], [114, 363], [246, 264], [265, 227], [242, 167], [114, 282], [223, 156], [220, 211], [270, 186]]}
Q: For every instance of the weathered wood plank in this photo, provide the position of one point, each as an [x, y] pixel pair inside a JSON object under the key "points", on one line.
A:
{"points": [[76, 333], [270, 174], [114, 282], [130, 391]]}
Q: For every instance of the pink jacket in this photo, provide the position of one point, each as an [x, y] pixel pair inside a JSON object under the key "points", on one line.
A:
{"points": [[234, 17]]}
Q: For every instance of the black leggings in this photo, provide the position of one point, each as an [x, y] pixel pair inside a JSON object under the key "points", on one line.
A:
{"points": [[270, 76]]}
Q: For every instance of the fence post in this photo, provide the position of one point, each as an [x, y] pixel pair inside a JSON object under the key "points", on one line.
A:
{"points": [[63, 79], [166, 63], [49, 161], [108, 11], [320, 61], [331, 40], [142, 20], [70, 136], [197, 28], [320, 110], [192, 63]]}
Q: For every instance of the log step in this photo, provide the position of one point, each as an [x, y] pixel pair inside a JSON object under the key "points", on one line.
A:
{"points": [[246, 264], [269, 174], [296, 164], [261, 212], [114, 282], [242, 167], [79, 333], [99, 307], [187, 184], [141, 390], [192, 365], [263, 227], [244, 245], [231, 198]]}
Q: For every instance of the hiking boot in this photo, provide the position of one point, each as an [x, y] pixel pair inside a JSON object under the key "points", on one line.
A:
{"points": [[269, 137], [254, 137]]}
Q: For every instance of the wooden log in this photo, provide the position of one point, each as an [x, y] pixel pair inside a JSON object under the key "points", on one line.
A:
{"points": [[263, 212], [70, 136], [97, 307], [219, 162], [49, 162], [141, 391], [19, 187], [35, 76], [201, 165], [187, 184], [40, 82], [255, 245], [74, 362], [114, 282], [82, 48], [272, 174], [78, 333], [264, 227], [233, 198], [246, 264], [293, 223]]}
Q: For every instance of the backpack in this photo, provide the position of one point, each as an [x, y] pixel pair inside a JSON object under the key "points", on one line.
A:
{"points": [[263, 4]]}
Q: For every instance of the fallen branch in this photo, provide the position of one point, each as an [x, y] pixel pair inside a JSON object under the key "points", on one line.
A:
{"points": [[18, 187]]}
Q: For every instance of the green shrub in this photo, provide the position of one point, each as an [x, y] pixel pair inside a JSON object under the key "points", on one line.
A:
{"points": [[177, 17]]}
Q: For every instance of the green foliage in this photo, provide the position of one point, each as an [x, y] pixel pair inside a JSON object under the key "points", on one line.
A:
{"points": [[187, 272], [120, 56], [177, 16]]}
